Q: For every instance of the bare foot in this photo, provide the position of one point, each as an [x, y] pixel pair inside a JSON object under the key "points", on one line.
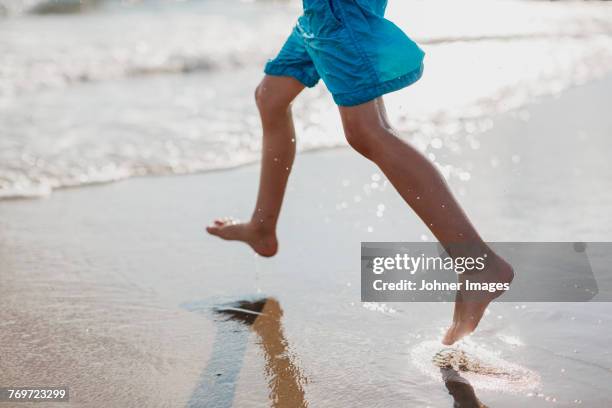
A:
{"points": [[471, 305], [264, 243]]}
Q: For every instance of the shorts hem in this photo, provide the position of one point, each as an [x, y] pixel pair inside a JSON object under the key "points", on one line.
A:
{"points": [[367, 94], [276, 70]]}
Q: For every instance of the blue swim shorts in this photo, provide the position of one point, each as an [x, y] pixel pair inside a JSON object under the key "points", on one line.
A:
{"points": [[358, 53]]}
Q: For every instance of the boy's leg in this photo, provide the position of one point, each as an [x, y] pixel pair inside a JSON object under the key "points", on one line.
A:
{"points": [[274, 96], [421, 185]]}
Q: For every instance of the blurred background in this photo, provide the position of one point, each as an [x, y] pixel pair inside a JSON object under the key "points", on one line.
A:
{"points": [[100, 90]]}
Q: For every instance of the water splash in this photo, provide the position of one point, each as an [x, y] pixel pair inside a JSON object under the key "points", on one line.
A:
{"points": [[485, 369]]}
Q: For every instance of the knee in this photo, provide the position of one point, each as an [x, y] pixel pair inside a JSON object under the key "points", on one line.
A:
{"points": [[363, 137], [270, 103]]}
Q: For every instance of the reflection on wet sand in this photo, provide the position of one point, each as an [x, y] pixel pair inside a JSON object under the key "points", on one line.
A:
{"points": [[235, 321], [218, 380], [460, 389], [284, 376]]}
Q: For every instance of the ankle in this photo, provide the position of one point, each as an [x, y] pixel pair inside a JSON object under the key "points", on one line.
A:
{"points": [[261, 227]]}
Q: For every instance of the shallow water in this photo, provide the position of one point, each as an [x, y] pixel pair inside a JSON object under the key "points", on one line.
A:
{"points": [[108, 93], [124, 294]]}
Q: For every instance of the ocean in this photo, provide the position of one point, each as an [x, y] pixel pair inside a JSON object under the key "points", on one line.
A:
{"points": [[100, 91]]}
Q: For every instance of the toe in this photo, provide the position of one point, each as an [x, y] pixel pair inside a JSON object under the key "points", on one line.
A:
{"points": [[450, 336], [212, 229], [459, 330]]}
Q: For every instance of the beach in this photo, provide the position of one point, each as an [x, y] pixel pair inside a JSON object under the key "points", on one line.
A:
{"points": [[111, 289], [127, 127]]}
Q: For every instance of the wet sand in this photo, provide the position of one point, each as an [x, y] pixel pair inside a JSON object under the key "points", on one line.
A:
{"points": [[112, 289]]}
